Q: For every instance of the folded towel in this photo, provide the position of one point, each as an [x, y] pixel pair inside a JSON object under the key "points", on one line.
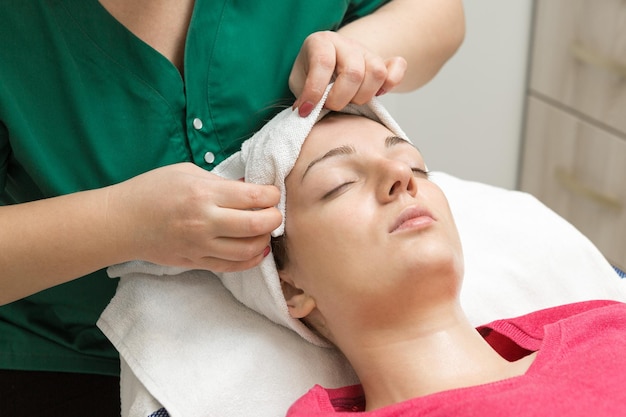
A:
{"points": [[192, 347], [195, 350], [144, 307], [267, 158]]}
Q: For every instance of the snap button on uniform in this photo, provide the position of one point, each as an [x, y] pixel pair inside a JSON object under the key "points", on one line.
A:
{"points": [[197, 124], [209, 157]]}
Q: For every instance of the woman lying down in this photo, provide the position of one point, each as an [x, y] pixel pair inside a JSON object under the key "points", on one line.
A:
{"points": [[371, 260]]}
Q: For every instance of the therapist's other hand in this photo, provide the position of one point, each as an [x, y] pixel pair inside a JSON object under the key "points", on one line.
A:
{"points": [[182, 215], [358, 73]]}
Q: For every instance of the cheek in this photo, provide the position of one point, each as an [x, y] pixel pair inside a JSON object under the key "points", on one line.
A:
{"points": [[327, 241], [332, 229], [314, 237]]}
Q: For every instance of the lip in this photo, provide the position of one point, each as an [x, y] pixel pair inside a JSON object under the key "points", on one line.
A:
{"points": [[413, 217]]}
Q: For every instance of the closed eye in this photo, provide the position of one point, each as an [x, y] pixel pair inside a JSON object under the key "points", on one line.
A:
{"points": [[336, 190], [416, 171], [420, 172]]}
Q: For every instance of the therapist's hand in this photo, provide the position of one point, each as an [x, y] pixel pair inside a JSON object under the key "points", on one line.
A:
{"points": [[182, 215], [358, 73]]}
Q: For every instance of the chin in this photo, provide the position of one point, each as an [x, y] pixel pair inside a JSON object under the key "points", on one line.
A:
{"points": [[443, 259]]}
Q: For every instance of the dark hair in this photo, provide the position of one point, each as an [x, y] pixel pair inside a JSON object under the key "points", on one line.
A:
{"points": [[279, 251]]}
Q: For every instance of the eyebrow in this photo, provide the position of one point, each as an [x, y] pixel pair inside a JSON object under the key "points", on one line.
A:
{"points": [[350, 150]]}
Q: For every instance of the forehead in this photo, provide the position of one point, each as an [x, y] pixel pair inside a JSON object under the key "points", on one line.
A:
{"points": [[346, 125], [342, 129], [339, 129]]}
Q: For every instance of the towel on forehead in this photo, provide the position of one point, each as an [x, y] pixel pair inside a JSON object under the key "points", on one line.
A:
{"points": [[267, 158], [269, 155]]}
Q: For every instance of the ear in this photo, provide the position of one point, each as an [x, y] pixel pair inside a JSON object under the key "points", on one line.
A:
{"points": [[299, 303]]}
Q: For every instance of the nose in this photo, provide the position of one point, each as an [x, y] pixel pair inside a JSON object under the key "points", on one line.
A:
{"points": [[396, 178]]}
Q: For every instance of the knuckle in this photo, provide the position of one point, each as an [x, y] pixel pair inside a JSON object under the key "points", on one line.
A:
{"points": [[354, 75], [326, 61], [378, 72], [254, 195], [195, 189], [249, 252]]}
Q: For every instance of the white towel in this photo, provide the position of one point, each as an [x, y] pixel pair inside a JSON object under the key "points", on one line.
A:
{"points": [[189, 310], [197, 351], [270, 154], [267, 158]]}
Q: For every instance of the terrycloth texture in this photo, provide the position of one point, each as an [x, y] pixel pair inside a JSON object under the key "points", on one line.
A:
{"points": [[198, 352], [269, 155], [267, 158]]}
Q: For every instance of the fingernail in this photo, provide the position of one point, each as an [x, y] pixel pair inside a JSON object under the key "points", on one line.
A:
{"points": [[381, 92], [305, 109], [266, 251]]}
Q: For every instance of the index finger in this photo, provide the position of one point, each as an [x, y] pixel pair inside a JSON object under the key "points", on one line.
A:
{"points": [[322, 60]]}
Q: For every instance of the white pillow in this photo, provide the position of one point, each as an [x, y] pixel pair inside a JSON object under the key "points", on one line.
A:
{"points": [[187, 344], [521, 256]]}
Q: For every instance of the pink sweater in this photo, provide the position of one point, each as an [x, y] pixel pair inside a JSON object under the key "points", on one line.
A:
{"points": [[580, 370]]}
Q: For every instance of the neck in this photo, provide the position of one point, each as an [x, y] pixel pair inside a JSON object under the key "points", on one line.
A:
{"points": [[415, 360], [162, 24]]}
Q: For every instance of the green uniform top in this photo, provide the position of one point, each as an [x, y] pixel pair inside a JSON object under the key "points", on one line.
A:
{"points": [[84, 104]]}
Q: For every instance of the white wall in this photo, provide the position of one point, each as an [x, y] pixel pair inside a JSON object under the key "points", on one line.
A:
{"points": [[468, 120]]}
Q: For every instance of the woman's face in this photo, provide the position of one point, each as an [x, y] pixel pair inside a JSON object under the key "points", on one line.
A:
{"points": [[367, 233]]}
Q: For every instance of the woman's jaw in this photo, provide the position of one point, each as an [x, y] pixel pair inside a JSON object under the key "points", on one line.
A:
{"points": [[370, 241]]}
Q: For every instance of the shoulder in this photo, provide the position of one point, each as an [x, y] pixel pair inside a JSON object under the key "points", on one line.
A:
{"points": [[528, 330]]}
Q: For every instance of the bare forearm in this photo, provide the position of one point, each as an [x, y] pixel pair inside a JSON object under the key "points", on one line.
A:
{"points": [[425, 32], [178, 215], [49, 242]]}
